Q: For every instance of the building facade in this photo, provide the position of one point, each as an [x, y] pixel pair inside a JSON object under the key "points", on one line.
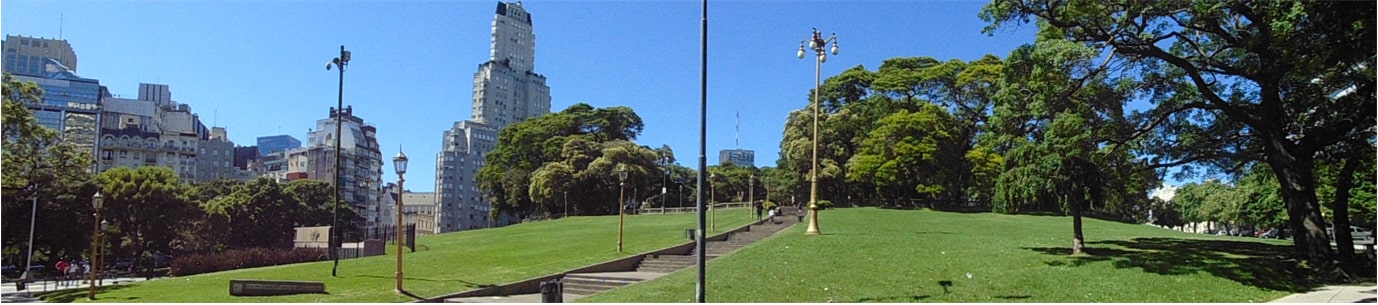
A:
{"points": [[31, 55], [360, 161], [215, 157], [506, 90], [269, 144], [738, 157], [153, 130]]}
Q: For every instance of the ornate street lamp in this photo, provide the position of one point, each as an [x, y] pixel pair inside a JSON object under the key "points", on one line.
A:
{"points": [[817, 44], [400, 164], [338, 62], [621, 184], [96, 201]]}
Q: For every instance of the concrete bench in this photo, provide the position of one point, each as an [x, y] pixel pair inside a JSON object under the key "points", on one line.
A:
{"points": [[272, 287]]}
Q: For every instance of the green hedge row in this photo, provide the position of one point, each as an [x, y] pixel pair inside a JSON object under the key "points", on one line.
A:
{"points": [[244, 258]]}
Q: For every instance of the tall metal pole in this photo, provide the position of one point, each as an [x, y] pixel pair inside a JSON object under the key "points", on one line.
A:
{"points": [[813, 173], [703, 154], [399, 238], [621, 210], [340, 62], [28, 261], [751, 197], [95, 237]]}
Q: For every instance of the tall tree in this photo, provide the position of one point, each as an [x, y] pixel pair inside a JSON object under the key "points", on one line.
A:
{"points": [[45, 180], [147, 205], [1236, 81]]}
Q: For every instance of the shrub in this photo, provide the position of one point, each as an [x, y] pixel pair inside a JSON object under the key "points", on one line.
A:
{"points": [[243, 258]]}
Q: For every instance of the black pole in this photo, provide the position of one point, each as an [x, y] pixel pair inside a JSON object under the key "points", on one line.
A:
{"points": [[335, 223], [703, 159]]}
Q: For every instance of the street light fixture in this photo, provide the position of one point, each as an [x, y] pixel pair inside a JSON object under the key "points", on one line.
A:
{"points": [[400, 164], [621, 184], [96, 201], [817, 44], [339, 62]]}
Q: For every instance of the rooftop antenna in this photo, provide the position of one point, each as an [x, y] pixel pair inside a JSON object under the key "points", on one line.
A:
{"points": [[737, 134], [60, 18]]}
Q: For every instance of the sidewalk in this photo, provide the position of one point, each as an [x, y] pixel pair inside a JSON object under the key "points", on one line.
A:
{"points": [[1334, 294], [11, 293]]}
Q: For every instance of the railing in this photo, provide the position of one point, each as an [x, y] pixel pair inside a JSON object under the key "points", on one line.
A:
{"points": [[720, 205]]}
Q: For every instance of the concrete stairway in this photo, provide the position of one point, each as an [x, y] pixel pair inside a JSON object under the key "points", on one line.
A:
{"points": [[591, 283], [578, 285]]}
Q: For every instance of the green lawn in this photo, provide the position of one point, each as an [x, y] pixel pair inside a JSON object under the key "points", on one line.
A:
{"points": [[443, 264], [877, 255]]}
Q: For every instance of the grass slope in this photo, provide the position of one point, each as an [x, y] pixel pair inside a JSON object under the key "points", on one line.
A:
{"points": [[875, 255], [443, 264]]}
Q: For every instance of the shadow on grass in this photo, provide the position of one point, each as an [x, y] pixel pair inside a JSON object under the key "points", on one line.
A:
{"points": [[69, 295], [1250, 263], [454, 280], [893, 299]]}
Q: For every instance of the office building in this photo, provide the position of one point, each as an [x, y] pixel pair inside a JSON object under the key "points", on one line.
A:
{"points": [[269, 144], [31, 55], [361, 162], [738, 157], [506, 90]]}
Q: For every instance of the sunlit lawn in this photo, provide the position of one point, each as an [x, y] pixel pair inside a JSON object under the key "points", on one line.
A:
{"points": [[443, 264], [876, 255]]}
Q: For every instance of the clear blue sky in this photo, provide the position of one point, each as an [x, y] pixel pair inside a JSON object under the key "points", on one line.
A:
{"points": [[257, 68]]}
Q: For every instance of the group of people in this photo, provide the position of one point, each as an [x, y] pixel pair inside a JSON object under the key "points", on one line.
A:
{"points": [[71, 272], [770, 214]]}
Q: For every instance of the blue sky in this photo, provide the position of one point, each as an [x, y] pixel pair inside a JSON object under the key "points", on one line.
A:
{"points": [[257, 68]]}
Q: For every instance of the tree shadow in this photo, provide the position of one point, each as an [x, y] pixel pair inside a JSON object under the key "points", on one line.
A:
{"points": [[467, 284], [70, 295], [893, 299], [1013, 297], [1250, 263]]}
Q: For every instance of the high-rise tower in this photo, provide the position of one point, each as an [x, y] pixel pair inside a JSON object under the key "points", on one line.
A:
{"points": [[507, 90]]}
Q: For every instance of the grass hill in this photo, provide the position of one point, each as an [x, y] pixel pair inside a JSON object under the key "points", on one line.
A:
{"points": [[443, 264], [877, 255]]}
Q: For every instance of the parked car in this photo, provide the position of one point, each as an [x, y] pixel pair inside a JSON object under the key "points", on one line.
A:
{"points": [[1355, 233], [123, 264], [1271, 233]]}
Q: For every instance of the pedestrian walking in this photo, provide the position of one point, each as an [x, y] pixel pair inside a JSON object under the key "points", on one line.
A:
{"points": [[61, 271]]}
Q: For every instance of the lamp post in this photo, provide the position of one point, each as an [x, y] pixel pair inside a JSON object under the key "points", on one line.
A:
{"points": [[751, 195], [96, 202], [621, 184], [100, 258], [338, 62], [817, 44], [400, 164], [28, 260]]}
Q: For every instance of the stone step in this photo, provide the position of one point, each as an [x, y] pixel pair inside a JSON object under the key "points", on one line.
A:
{"points": [[658, 269], [582, 291], [605, 281]]}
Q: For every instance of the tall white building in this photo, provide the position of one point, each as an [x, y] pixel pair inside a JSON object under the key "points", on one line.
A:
{"points": [[507, 90], [361, 162]]}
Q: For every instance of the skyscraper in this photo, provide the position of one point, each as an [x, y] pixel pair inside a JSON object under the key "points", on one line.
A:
{"points": [[507, 90]]}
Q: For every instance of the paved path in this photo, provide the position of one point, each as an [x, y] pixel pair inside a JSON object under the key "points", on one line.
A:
{"points": [[1334, 294], [10, 293], [735, 242]]}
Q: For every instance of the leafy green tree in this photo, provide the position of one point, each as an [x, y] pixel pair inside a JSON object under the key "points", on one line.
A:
{"points": [[588, 141], [1054, 111], [909, 155], [147, 205], [1236, 81], [39, 167]]}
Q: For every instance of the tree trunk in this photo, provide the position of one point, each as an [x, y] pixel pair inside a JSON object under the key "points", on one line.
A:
{"points": [[1078, 242], [1294, 172], [1343, 238]]}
